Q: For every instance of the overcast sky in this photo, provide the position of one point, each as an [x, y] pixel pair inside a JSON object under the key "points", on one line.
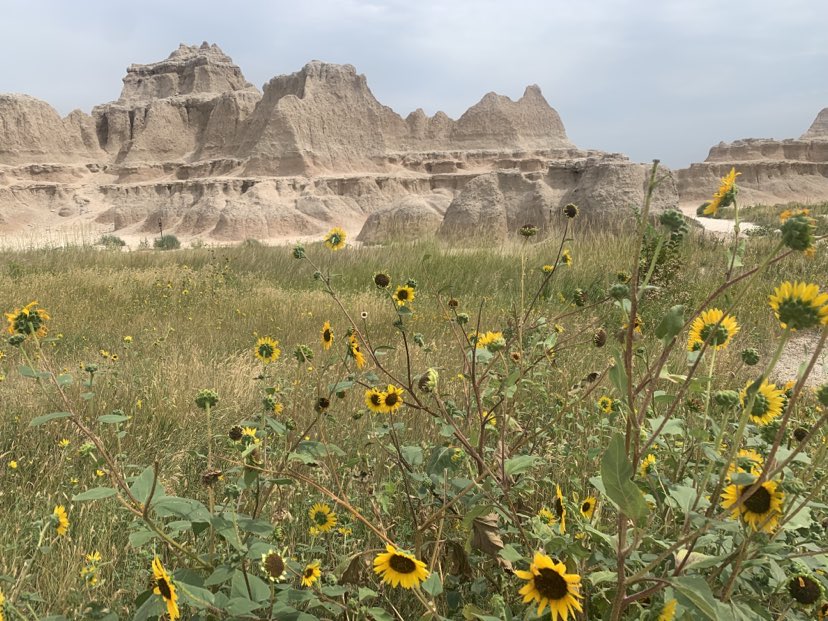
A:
{"points": [[649, 78]]}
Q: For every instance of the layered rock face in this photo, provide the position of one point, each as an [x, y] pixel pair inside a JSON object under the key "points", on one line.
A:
{"points": [[192, 145], [772, 171]]}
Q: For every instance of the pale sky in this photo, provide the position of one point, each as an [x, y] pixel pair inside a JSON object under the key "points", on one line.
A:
{"points": [[649, 78]]}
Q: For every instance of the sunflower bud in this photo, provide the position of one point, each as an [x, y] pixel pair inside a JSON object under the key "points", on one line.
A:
{"points": [[805, 589], [528, 230], [619, 291], [822, 394], [726, 398], [750, 356], [317, 275], [800, 433], [419, 339], [411, 283], [571, 210], [798, 232], [599, 339], [235, 433], [428, 380], [322, 404], [382, 280], [673, 220], [298, 251], [462, 318], [91, 368], [580, 297], [206, 398], [15, 340]]}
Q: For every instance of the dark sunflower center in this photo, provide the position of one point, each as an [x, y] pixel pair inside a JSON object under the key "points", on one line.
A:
{"points": [[551, 585], [558, 506], [320, 518], [586, 507], [375, 399], [164, 588], [804, 590], [326, 335], [265, 351], [391, 399], [402, 564], [308, 572], [402, 294], [274, 565], [760, 405], [759, 502], [719, 333]]}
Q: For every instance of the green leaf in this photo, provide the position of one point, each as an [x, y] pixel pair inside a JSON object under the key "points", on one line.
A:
{"points": [[693, 592], [187, 508], [618, 376], [142, 485], [94, 494], [413, 455], [111, 419], [519, 464], [671, 324], [140, 537], [64, 379], [378, 614], [616, 475], [45, 418], [433, 585]]}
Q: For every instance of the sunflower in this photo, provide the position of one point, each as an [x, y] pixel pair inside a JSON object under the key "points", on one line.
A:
{"points": [[767, 404], [549, 585], [668, 613], [724, 195], [799, 305], [61, 520], [605, 404], [547, 516], [311, 574], [165, 588], [761, 511], [327, 335], [712, 323], [588, 507], [355, 352], [273, 564], [2, 602], [403, 295], [805, 589], [28, 320], [375, 400], [492, 341], [248, 435], [399, 568], [267, 350], [335, 239], [392, 399], [560, 508], [647, 464], [566, 257], [322, 517], [747, 460]]}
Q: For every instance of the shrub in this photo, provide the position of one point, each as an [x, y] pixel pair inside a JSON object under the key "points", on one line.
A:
{"points": [[111, 241], [167, 242]]}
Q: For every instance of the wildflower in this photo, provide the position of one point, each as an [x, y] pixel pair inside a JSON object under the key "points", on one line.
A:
{"points": [[799, 305], [761, 510], [668, 613], [605, 404], [273, 564], [327, 335], [571, 210], [392, 400], [267, 350], [60, 520], [560, 508], [725, 195], [206, 398], [767, 404], [547, 516], [28, 320], [335, 239], [793, 212], [382, 280], [403, 295], [748, 461], [750, 357], [311, 574], [647, 464], [599, 339], [344, 531], [428, 380], [354, 351], [375, 400], [548, 584], [127, 339], [236, 433], [798, 232], [713, 324], [399, 568], [493, 341], [546, 269], [13, 465], [805, 589], [566, 257], [588, 507], [248, 435], [322, 517], [89, 572], [528, 230]]}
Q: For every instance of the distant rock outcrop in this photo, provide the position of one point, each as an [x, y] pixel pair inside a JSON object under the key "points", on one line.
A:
{"points": [[772, 171], [192, 145]]}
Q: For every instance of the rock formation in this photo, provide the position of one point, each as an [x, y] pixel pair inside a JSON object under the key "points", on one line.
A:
{"points": [[772, 171], [194, 147]]}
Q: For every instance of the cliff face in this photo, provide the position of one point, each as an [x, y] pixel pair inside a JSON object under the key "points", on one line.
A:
{"points": [[192, 144], [773, 171]]}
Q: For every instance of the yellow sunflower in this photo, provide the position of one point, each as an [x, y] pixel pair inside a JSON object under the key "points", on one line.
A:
{"points": [[165, 588], [566, 257], [327, 335], [767, 404], [668, 613], [647, 464], [61, 520], [267, 350], [549, 585], [248, 435], [712, 323], [493, 341], [311, 574], [747, 460], [335, 239], [605, 404], [799, 305], [322, 517], [588, 507], [547, 516], [724, 195], [2, 601], [761, 511], [560, 508], [355, 352], [392, 400], [28, 320], [399, 568], [403, 295], [375, 400]]}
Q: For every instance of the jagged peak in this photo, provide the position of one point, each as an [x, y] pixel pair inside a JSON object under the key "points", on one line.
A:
{"points": [[819, 128]]}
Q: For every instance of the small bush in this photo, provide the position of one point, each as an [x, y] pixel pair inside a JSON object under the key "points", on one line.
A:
{"points": [[167, 242], [111, 241]]}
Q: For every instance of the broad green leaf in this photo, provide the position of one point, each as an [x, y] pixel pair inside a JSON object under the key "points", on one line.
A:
{"points": [[433, 585], [378, 614], [519, 464], [95, 493], [693, 592], [671, 324], [45, 418], [616, 475], [618, 375], [142, 485], [111, 419]]}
